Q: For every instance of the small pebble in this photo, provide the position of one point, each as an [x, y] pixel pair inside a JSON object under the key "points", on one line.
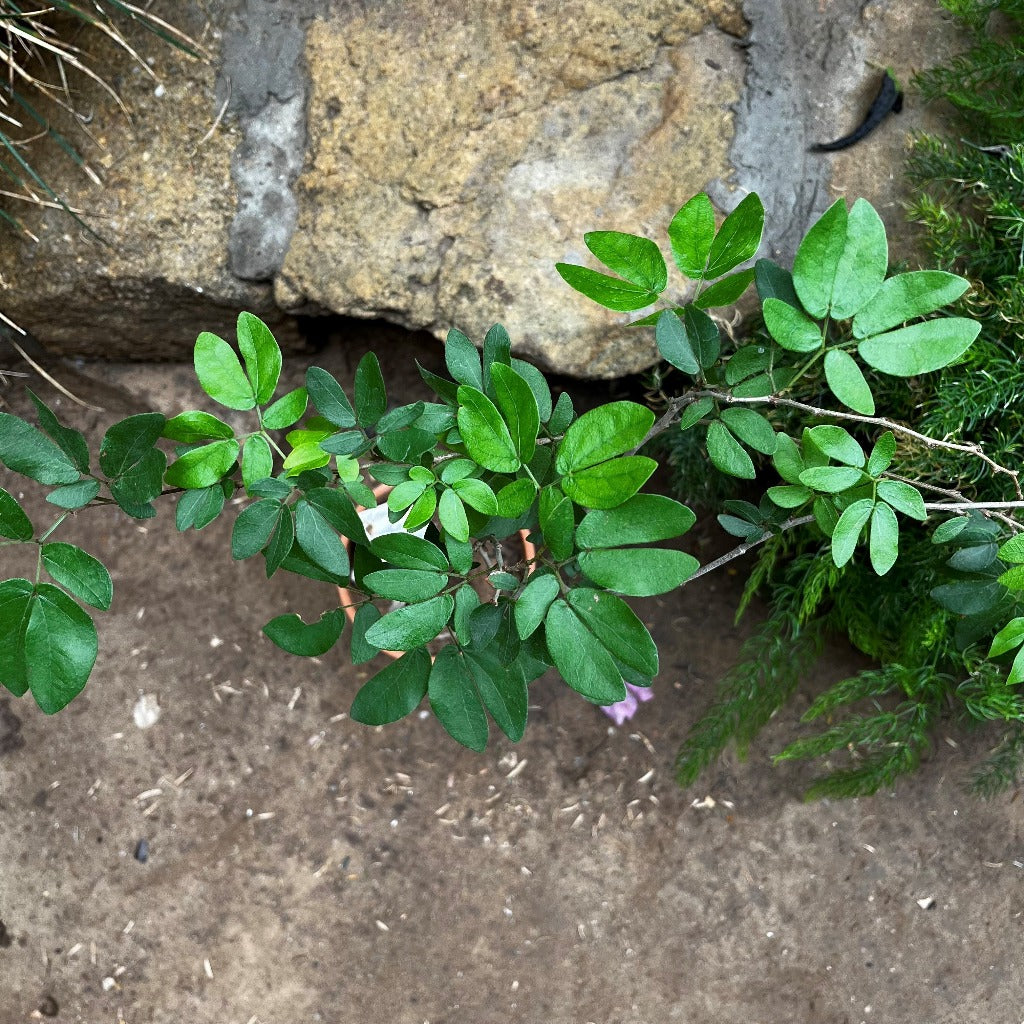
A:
{"points": [[142, 851]]}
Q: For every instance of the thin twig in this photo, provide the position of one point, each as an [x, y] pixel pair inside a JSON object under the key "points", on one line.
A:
{"points": [[216, 121], [742, 549]]}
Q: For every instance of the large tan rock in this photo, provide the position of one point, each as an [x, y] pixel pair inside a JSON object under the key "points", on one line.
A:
{"points": [[458, 149]]}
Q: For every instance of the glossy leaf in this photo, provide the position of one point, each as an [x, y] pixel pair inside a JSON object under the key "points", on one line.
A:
{"points": [[203, 466], [847, 383], [557, 522], [13, 521], [76, 570], [484, 433], [603, 433], [617, 628], [606, 291], [59, 648], [726, 291], [503, 691], [515, 498], [690, 233], [514, 398], [409, 552], [477, 495], [817, 260], [308, 640], [455, 701], [281, 541], [636, 259], [609, 483], [408, 628], [409, 585], [395, 691], [920, 348], [643, 519], [28, 451], [905, 297], [533, 603], [329, 398], [262, 356], [320, 540], [738, 239], [371, 396], [220, 373], [70, 441], [638, 572], [1009, 637], [452, 514], [195, 427], [538, 385], [726, 453], [580, 658], [287, 410]]}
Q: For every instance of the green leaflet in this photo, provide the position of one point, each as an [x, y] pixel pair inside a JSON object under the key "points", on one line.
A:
{"points": [[452, 514], [603, 433], [738, 238], [203, 466], [455, 701], [195, 427], [638, 572], [409, 585], [847, 383], [607, 291], [71, 442], [727, 454], [580, 658], [220, 373], [837, 443], [287, 410], [76, 570], [319, 539], [609, 483], [690, 234], [308, 640], [817, 260], [371, 396], [905, 297], [329, 398], [28, 451], [13, 521], [847, 531], [726, 291], [557, 522], [408, 628], [903, 497], [920, 348], [409, 552], [636, 259], [751, 428], [395, 691], [262, 356], [674, 343], [463, 360], [642, 519], [533, 603], [863, 263], [518, 407], [484, 433], [617, 627], [503, 689], [792, 329]]}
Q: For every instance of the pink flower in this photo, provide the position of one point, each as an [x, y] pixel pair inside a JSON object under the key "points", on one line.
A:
{"points": [[624, 710]]}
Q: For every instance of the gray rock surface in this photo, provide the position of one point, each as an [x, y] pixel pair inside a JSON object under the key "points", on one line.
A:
{"points": [[428, 162]]}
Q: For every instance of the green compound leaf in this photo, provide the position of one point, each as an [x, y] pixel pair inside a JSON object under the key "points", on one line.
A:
{"points": [[71, 442], [288, 409], [257, 460], [408, 628], [847, 531], [831, 479], [617, 628], [477, 495], [195, 427], [371, 396], [452, 514], [455, 701], [13, 521], [751, 428], [329, 398], [642, 519], [409, 552], [518, 407], [254, 526], [76, 570], [603, 433], [920, 348], [863, 263], [903, 497], [320, 540], [837, 443], [74, 496], [636, 259], [738, 238], [262, 356], [1009, 637], [533, 603], [220, 373], [308, 640], [674, 343], [609, 483], [557, 522], [905, 297], [606, 291], [817, 260], [409, 585], [59, 648], [515, 498], [882, 454], [792, 329], [726, 291], [28, 451], [638, 572], [203, 466], [883, 545], [690, 234], [199, 508], [847, 383], [726, 453], [581, 659], [16, 601], [463, 360], [484, 433], [394, 692], [503, 690]]}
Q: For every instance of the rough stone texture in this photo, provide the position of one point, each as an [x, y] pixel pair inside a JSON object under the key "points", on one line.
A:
{"points": [[457, 150]]}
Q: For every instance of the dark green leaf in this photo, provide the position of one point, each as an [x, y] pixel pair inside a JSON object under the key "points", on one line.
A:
{"points": [[884, 539], [791, 496], [920, 348], [703, 334], [138, 486], [329, 398], [28, 451], [607, 291], [638, 572], [288, 409], [497, 350], [400, 417], [395, 691], [533, 603], [738, 238], [320, 540], [603, 433], [906, 296], [863, 264], [408, 628], [455, 701], [409, 585], [792, 329], [371, 396], [409, 552], [726, 291], [847, 531], [610, 483], [557, 522], [773, 282], [740, 528], [847, 383], [74, 496], [642, 519], [580, 658], [903, 497], [561, 415], [13, 521], [969, 597], [949, 530], [310, 640], [262, 356], [514, 398], [253, 527], [515, 498], [199, 508], [71, 442], [978, 558], [16, 601], [484, 432], [538, 385], [405, 445], [348, 442], [281, 541], [76, 570], [60, 646], [617, 628], [503, 692], [463, 360], [444, 389], [203, 466], [674, 344], [751, 428], [695, 412], [746, 362], [636, 259], [220, 373], [726, 453], [362, 652], [338, 510], [128, 443], [257, 460], [690, 234]]}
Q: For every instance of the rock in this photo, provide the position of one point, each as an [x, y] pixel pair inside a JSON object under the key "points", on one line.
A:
{"points": [[429, 162]]}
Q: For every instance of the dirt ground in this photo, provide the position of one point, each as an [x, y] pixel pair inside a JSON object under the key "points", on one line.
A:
{"points": [[305, 868]]}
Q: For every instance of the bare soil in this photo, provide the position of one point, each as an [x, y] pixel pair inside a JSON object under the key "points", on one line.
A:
{"points": [[302, 867]]}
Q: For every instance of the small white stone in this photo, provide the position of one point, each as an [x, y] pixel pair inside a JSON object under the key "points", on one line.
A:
{"points": [[147, 710], [159, 92]]}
